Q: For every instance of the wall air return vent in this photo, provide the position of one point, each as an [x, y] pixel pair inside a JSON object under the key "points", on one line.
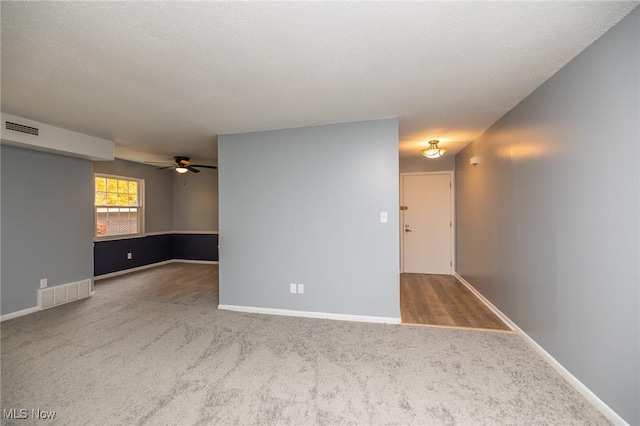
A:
{"points": [[22, 128], [65, 293]]}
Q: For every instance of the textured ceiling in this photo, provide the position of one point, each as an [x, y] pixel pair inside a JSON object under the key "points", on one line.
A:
{"points": [[165, 78]]}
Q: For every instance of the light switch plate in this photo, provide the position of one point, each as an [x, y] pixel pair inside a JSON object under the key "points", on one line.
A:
{"points": [[292, 287], [384, 217]]}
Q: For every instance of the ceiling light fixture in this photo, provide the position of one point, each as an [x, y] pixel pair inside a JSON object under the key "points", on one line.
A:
{"points": [[181, 169], [433, 151]]}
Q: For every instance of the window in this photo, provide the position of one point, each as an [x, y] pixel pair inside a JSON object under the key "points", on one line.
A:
{"points": [[118, 206]]}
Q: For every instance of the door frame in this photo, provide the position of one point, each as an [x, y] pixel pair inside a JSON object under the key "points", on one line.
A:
{"points": [[452, 175]]}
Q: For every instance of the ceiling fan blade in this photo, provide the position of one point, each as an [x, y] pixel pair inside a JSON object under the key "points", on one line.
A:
{"points": [[164, 168], [166, 163], [191, 169], [204, 166]]}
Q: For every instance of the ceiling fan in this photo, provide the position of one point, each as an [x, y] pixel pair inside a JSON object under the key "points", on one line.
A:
{"points": [[183, 165]]}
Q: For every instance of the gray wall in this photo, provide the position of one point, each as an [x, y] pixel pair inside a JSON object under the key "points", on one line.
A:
{"points": [[158, 186], [548, 222], [445, 163], [303, 205], [47, 223], [195, 201]]}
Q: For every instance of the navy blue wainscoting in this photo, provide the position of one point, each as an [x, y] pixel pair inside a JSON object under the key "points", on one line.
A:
{"points": [[195, 246], [111, 256]]}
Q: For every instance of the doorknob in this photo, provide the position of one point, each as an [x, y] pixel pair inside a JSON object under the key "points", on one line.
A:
{"points": [[407, 230]]}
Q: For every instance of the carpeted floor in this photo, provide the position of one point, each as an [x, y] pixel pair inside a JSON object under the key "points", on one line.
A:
{"points": [[150, 348]]}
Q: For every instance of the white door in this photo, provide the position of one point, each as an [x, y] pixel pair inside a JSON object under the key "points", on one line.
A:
{"points": [[427, 224]]}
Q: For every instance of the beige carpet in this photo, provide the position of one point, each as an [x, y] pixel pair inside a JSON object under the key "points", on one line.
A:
{"points": [[152, 349]]}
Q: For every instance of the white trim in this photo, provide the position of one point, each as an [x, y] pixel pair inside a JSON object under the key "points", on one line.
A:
{"points": [[202, 262], [136, 269], [453, 223], [153, 265], [306, 314], [566, 374], [141, 208], [196, 232], [17, 314], [118, 237], [489, 305], [452, 176], [110, 176], [151, 234]]}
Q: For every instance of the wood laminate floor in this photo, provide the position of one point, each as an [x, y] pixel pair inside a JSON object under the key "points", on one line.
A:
{"points": [[442, 300]]}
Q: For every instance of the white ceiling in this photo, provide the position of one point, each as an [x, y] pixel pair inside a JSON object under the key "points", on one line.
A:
{"points": [[165, 78]]}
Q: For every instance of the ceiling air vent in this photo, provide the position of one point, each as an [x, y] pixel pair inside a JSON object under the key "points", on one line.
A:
{"points": [[21, 128]]}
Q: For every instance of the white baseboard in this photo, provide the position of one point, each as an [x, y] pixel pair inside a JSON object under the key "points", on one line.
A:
{"points": [[17, 314], [489, 305], [307, 314], [573, 380], [202, 262]]}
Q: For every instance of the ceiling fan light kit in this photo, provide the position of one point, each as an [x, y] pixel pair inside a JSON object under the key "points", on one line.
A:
{"points": [[433, 151]]}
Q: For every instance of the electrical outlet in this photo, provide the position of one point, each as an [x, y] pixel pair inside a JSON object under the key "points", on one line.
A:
{"points": [[129, 256], [300, 288], [292, 287], [43, 283]]}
